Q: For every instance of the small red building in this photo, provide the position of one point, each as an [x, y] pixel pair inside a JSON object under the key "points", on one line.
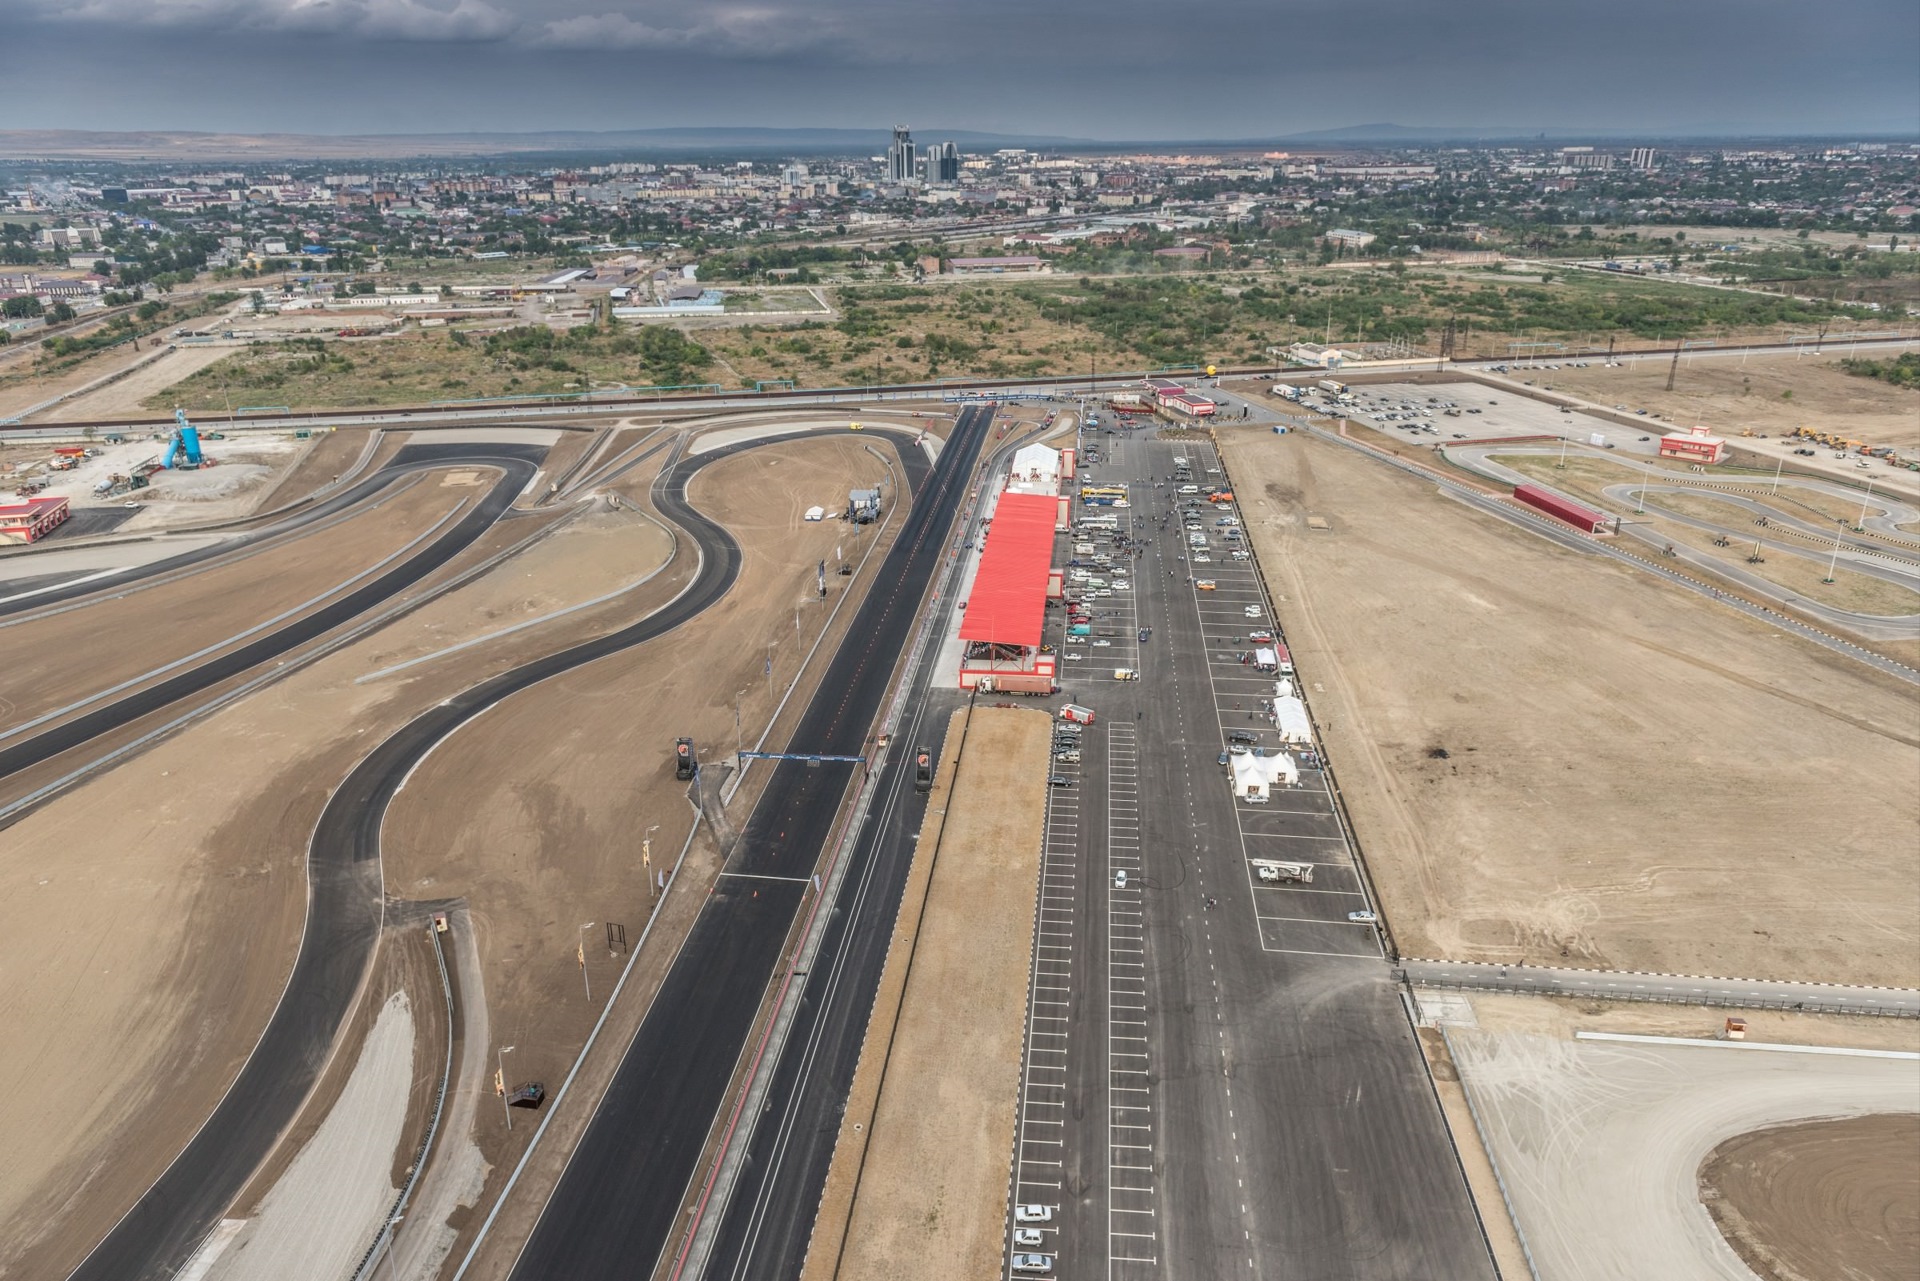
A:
{"points": [[1696, 446], [33, 518]]}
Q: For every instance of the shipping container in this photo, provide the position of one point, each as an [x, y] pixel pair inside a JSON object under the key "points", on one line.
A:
{"points": [[1584, 519]]}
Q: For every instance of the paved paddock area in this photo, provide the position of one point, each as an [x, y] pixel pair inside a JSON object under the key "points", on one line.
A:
{"points": [[1599, 1144]]}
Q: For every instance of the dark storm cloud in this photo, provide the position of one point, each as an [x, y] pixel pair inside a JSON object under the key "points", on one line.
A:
{"points": [[1092, 68]]}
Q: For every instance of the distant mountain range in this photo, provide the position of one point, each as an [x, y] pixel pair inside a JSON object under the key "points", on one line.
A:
{"points": [[162, 147]]}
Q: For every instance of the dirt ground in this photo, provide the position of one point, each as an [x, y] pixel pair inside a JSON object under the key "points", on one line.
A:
{"points": [[127, 904], [77, 652], [1820, 1199], [932, 1162], [328, 455], [123, 399], [1554, 759], [1771, 394]]}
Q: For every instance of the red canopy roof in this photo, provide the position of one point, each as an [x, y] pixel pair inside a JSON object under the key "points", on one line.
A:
{"points": [[1008, 603]]}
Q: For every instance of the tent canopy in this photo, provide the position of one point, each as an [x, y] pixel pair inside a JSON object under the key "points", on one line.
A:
{"points": [[1008, 603]]}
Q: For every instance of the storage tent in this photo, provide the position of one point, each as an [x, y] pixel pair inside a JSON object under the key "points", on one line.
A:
{"points": [[1290, 716]]}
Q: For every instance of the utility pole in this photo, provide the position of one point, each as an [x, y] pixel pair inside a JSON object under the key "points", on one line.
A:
{"points": [[646, 857], [500, 1080], [581, 952], [1674, 368]]}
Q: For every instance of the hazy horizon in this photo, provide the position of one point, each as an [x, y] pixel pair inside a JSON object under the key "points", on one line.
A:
{"points": [[1113, 71]]}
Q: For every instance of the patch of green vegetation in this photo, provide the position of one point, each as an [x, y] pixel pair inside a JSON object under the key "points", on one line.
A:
{"points": [[530, 360], [1902, 371]]}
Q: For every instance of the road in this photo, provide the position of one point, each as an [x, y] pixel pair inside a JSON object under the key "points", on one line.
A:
{"points": [[613, 1211], [1221, 1079], [344, 916]]}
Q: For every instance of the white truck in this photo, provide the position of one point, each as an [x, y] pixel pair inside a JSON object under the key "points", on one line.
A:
{"points": [[1333, 388], [1125, 674], [1274, 872]]}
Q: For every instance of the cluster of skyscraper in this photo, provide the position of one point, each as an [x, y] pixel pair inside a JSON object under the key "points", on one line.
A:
{"points": [[940, 164]]}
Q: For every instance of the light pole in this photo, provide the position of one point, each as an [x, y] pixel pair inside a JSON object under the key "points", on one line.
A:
{"points": [[1861, 524], [581, 951], [1780, 463], [646, 857], [501, 1077], [1834, 563]]}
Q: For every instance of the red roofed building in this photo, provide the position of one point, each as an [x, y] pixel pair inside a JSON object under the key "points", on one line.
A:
{"points": [[1006, 609], [32, 518]]}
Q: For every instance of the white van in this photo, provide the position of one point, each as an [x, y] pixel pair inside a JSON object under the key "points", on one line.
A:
{"points": [[1189, 489]]}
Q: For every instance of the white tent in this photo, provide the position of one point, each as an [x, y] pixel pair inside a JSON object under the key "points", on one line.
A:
{"points": [[816, 513], [1250, 781], [1035, 470], [1283, 689], [1290, 717], [1254, 776]]}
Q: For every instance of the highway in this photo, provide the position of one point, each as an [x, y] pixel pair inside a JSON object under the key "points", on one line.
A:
{"points": [[613, 1212], [344, 916], [1221, 1078], [605, 404]]}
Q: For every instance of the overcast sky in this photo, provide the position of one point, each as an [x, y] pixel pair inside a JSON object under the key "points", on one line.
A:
{"points": [[1103, 69]]}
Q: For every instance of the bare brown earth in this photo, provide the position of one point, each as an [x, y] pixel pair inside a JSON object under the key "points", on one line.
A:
{"points": [[66, 655], [1554, 759], [329, 455], [927, 1148], [1771, 394], [1821, 1200], [123, 398]]}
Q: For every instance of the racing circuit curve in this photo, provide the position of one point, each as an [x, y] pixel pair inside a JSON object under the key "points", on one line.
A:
{"points": [[346, 907]]}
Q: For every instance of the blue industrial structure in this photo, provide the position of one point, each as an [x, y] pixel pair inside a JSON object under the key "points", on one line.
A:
{"points": [[185, 444]]}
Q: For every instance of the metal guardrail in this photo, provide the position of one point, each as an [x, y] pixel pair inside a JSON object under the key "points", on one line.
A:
{"points": [[1665, 989]]}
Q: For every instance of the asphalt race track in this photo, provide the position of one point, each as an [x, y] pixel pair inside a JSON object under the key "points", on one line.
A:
{"points": [[520, 459], [518, 464], [162, 1230], [613, 1212], [767, 1224]]}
